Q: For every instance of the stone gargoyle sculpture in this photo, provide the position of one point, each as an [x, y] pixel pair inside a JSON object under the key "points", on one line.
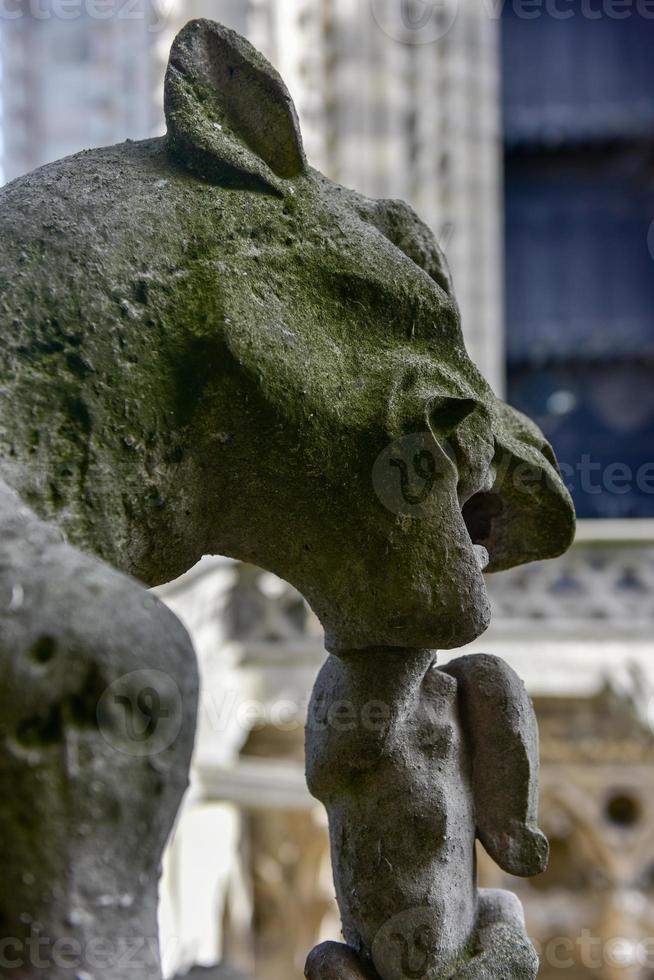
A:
{"points": [[208, 347]]}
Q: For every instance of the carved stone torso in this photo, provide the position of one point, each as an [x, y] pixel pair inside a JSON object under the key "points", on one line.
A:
{"points": [[391, 764]]}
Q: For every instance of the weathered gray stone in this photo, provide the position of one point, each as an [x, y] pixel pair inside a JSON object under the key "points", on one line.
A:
{"points": [[197, 366], [501, 728], [230, 116], [208, 347], [334, 961], [413, 762], [97, 712], [500, 951]]}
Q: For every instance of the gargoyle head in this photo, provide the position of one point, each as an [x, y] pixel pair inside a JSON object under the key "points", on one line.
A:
{"points": [[377, 470]]}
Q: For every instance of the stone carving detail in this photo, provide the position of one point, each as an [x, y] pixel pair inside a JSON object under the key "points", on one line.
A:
{"points": [[412, 766], [610, 584], [209, 348]]}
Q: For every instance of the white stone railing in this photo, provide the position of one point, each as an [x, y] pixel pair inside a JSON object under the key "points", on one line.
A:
{"points": [[603, 585]]}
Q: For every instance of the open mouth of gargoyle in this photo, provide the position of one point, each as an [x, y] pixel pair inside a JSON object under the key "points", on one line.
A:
{"points": [[479, 514]]}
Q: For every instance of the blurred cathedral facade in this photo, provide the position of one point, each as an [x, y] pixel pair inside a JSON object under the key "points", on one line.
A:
{"points": [[537, 176]]}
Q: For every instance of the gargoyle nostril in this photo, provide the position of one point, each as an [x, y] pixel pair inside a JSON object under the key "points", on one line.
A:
{"points": [[446, 414]]}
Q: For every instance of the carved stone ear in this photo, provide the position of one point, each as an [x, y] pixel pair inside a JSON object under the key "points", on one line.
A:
{"points": [[402, 226], [502, 732], [230, 116]]}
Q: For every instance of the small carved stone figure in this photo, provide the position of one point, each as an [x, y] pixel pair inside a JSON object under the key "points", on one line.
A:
{"points": [[210, 348], [413, 763]]}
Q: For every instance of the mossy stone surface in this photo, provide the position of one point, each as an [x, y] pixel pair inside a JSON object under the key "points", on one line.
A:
{"points": [[210, 348], [195, 361]]}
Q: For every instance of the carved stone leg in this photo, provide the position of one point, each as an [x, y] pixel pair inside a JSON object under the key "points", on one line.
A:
{"points": [[413, 762], [98, 690], [503, 949], [335, 961]]}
